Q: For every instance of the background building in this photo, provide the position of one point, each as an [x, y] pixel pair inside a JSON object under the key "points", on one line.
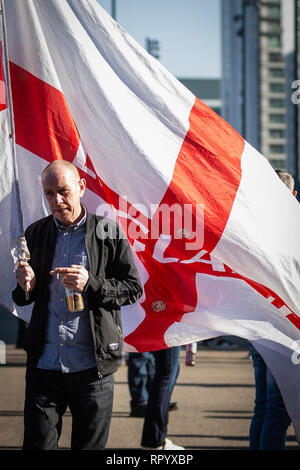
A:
{"points": [[207, 89], [260, 66]]}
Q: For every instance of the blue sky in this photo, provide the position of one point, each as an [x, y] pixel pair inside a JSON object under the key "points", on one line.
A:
{"points": [[189, 32]]}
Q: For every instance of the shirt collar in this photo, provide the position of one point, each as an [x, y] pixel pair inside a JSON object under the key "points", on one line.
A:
{"points": [[70, 228]]}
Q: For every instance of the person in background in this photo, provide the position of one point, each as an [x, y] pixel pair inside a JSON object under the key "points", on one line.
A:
{"points": [[141, 367], [141, 370], [270, 419], [154, 435]]}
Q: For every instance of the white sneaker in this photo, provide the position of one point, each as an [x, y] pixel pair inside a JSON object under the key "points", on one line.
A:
{"points": [[167, 445]]}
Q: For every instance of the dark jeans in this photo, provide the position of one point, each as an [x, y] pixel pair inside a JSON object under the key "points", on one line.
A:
{"points": [[157, 413], [270, 420], [48, 393], [141, 367]]}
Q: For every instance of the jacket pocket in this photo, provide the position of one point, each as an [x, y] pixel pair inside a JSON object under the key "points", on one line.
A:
{"points": [[109, 337], [114, 348]]}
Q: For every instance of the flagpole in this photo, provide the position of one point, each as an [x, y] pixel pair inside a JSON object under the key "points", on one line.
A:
{"points": [[19, 226]]}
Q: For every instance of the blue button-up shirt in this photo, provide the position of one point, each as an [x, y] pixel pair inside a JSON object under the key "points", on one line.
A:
{"points": [[69, 343]]}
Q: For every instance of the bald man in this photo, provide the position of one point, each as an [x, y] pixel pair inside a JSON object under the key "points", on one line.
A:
{"points": [[80, 273]]}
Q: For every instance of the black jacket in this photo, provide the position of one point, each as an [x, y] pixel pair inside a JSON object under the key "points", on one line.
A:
{"points": [[113, 282]]}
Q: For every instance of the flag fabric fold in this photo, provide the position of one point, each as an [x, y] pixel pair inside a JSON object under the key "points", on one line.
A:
{"points": [[213, 230]]}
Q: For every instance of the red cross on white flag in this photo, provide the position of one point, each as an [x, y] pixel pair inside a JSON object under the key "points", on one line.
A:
{"points": [[213, 229]]}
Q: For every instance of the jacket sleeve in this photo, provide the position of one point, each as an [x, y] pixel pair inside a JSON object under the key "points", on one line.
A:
{"points": [[123, 288]]}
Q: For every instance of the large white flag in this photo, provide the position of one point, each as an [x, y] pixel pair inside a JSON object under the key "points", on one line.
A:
{"points": [[214, 231]]}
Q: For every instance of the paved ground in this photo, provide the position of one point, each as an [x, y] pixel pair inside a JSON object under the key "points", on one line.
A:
{"points": [[216, 401]]}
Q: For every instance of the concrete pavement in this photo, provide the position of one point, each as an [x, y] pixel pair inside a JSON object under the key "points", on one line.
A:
{"points": [[215, 404]]}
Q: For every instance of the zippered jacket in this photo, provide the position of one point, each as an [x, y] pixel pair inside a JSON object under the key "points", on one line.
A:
{"points": [[113, 282]]}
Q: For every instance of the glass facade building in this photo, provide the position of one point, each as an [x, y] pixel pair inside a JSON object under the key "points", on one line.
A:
{"points": [[260, 65]]}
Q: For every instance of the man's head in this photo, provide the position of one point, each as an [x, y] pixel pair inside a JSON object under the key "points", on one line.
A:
{"points": [[287, 179], [63, 189]]}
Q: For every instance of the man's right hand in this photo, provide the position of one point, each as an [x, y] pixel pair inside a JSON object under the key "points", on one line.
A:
{"points": [[25, 276]]}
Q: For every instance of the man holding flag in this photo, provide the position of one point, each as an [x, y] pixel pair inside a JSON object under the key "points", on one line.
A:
{"points": [[72, 352]]}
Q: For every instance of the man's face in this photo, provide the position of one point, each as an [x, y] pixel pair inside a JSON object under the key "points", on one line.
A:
{"points": [[63, 190]]}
